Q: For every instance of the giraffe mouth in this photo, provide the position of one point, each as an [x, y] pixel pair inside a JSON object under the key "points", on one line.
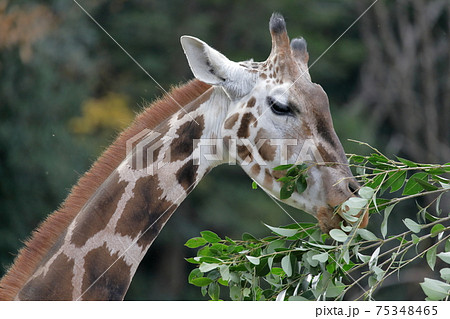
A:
{"points": [[329, 218]]}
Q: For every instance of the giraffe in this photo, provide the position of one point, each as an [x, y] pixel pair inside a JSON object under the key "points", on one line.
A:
{"points": [[258, 114]]}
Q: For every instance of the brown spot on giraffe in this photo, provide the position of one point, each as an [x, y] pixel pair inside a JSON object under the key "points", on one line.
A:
{"points": [[268, 179], [267, 151], [306, 130], [100, 210], [186, 175], [48, 287], [278, 174], [251, 102], [244, 152], [256, 168], [107, 276], [54, 249], [326, 156], [325, 130], [141, 211], [229, 123], [244, 130], [182, 146]]}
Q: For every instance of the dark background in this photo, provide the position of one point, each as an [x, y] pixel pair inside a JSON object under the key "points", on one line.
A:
{"points": [[66, 89]]}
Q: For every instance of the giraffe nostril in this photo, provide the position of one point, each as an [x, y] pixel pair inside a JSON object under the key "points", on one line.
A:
{"points": [[353, 187]]}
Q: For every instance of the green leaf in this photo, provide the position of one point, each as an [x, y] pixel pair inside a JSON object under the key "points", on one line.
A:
{"points": [[282, 231], [210, 237], [192, 260], [263, 268], [374, 258], [354, 205], [366, 192], [248, 237], [387, 212], [438, 228], [195, 242], [214, 291], [323, 257], [286, 179], [334, 290], [407, 162], [412, 187], [395, 181], [297, 298], [283, 167], [415, 239], [254, 185], [338, 235], [435, 289], [204, 267], [321, 245], [357, 158], [253, 260], [377, 181], [366, 234], [379, 273], [431, 257], [277, 271], [347, 228], [235, 293], [445, 274], [426, 186], [286, 265], [201, 282], [363, 258], [438, 203], [225, 272], [331, 267], [307, 258], [209, 260], [293, 171], [301, 184], [412, 225], [445, 257], [195, 273], [346, 255], [286, 190]]}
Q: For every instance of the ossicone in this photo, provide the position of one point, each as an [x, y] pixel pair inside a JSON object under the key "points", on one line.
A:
{"points": [[277, 23]]}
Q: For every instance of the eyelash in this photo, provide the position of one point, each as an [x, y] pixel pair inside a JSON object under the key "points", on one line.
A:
{"points": [[279, 108]]}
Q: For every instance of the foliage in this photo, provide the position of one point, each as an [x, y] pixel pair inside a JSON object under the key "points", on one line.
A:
{"points": [[109, 112], [298, 262]]}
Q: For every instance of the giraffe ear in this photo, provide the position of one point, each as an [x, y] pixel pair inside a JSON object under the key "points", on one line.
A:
{"points": [[212, 67]]}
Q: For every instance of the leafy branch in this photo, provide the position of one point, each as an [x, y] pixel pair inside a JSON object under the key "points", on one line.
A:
{"points": [[299, 262]]}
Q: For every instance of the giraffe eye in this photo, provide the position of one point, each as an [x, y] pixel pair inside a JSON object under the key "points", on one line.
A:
{"points": [[279, 108]]}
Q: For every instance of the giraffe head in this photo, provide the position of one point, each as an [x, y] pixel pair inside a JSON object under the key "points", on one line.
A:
{"points": [[275, 116]]}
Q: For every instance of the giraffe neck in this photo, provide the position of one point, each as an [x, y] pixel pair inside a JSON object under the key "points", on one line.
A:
{"points": [[97, 255]]}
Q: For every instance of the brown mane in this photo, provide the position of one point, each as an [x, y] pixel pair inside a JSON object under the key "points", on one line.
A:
{"points": [[44, 237]]}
